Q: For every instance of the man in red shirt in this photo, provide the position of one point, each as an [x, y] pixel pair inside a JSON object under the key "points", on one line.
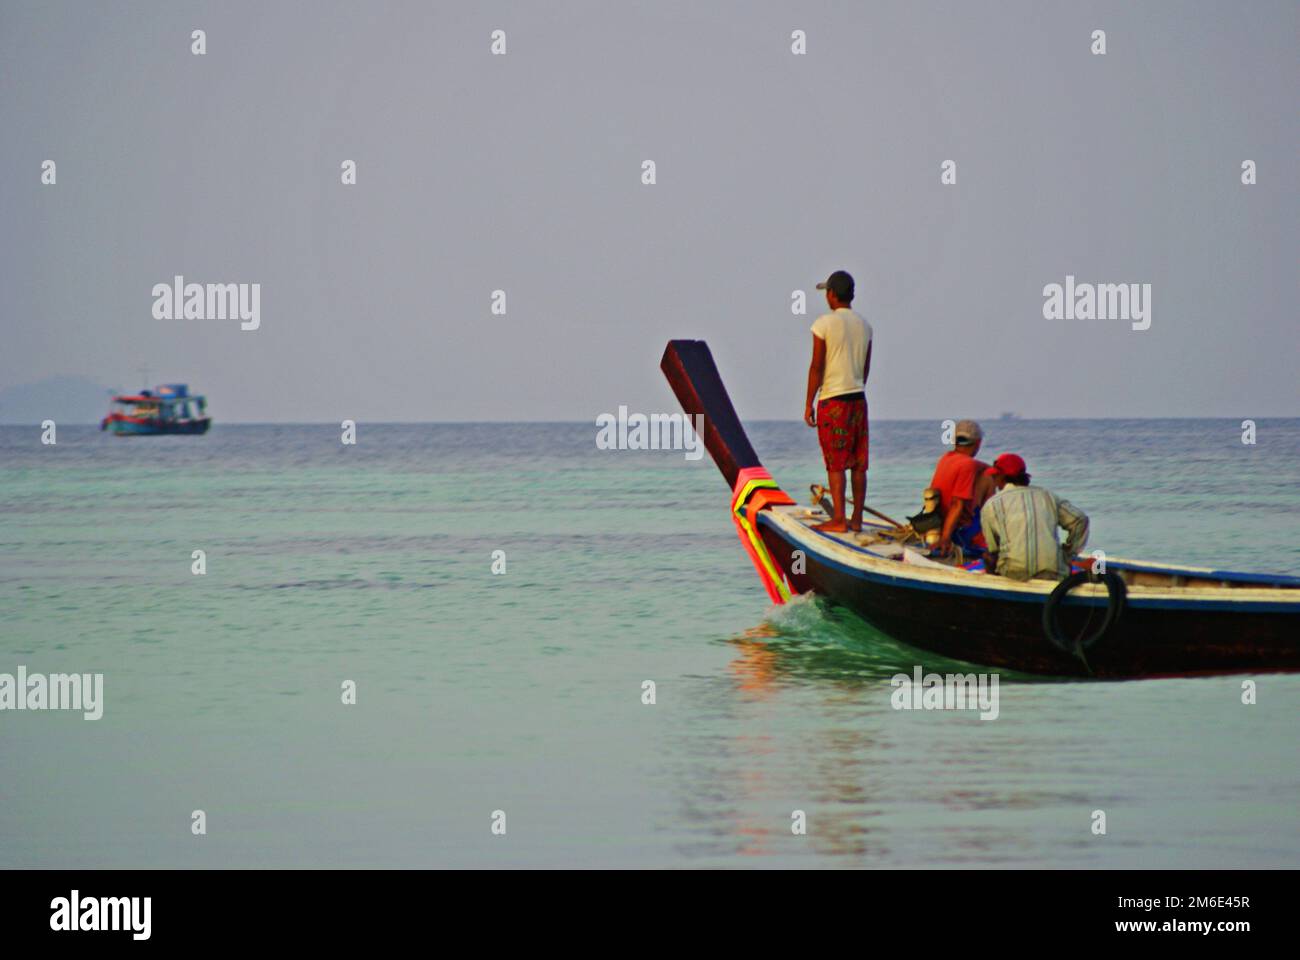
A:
{"points": [[963, 484]]}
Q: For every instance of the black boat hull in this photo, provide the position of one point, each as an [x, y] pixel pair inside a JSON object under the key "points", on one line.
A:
{"points": [[993, 631]]}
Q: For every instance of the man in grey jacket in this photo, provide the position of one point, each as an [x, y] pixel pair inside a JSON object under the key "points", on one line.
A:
{"points": [[1020, 523]]}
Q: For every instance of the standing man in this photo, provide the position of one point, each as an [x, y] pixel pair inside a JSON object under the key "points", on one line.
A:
{"points": [[1020, 524], [841, 362]]}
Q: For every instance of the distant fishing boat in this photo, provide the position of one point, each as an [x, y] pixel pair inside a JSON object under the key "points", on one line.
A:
{"points": [[1134, 620], [170, 408]]}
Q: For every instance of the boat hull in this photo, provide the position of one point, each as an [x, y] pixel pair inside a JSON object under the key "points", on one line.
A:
{"points": [[1155, 636], [135, 428]]}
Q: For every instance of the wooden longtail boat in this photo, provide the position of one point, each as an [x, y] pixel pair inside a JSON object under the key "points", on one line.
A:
{"points": [[1139, 620]]}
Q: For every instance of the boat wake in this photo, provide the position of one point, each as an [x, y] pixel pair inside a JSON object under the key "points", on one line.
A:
{"points": [[812, 638]]}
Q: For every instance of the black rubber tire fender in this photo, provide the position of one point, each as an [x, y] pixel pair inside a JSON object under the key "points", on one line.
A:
{"points": [[1116, 593]]}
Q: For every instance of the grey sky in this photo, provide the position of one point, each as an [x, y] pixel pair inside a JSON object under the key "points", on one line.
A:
{"points": [[522, 172]]}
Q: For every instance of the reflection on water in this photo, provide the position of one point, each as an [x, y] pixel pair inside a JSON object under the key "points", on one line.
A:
{"points": [[802, 721]]}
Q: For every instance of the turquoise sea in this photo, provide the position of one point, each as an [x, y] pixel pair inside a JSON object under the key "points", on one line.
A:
{"points": [[522, 692]]}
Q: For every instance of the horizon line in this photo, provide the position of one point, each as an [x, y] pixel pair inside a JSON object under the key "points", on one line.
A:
{"points": [[592, 422]]}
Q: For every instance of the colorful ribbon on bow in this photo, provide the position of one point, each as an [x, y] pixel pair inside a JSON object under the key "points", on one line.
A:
{"points": [[755, 489]]}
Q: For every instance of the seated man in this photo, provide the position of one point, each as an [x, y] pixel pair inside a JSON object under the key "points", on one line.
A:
{"points": [[1020, 524], [963, 485]]}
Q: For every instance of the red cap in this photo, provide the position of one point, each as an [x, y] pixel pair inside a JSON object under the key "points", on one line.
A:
{"points": [[1009, 465]]}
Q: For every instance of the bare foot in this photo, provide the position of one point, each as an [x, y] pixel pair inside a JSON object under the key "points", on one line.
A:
{"points": [[832, 526], [855, 526]]}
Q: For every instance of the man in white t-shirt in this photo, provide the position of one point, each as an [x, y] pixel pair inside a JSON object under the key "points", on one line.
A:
{"points": [[841, 362]]}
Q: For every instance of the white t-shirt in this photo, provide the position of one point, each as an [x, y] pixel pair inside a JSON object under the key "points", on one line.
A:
{"points": [[847, 337]]}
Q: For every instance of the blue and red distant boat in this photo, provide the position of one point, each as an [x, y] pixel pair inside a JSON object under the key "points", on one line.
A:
{"points": [[170, 408]]}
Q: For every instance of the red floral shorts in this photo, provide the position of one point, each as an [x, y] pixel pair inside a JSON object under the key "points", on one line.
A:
{"points": [[842, 432]]}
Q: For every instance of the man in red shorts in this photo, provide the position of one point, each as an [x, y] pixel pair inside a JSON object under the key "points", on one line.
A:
{"points": [[841, 362]]}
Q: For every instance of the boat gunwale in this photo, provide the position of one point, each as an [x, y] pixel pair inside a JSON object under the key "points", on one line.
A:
{"points": [[860, 561]]}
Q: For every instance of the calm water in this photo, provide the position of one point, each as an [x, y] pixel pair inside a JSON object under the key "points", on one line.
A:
{"points": [[521, 692]]}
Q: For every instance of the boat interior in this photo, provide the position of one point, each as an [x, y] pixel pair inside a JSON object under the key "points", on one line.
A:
{"points": [[886, 541]]}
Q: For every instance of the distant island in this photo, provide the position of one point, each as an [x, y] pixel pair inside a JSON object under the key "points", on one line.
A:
{"points": [[61, 399]]}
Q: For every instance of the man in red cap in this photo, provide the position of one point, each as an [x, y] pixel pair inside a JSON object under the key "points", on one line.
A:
{"points": [[1019, 524]]}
